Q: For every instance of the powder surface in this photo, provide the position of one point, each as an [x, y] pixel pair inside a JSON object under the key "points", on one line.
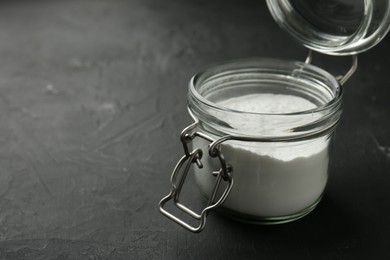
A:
{"points": [[272, 104], [268, 103]]}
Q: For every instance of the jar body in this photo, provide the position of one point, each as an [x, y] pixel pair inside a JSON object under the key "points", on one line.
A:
{"points": [[268, 186], [282, 176]]}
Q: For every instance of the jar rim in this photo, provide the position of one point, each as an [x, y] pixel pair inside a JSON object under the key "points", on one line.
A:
{"points": [[194, 83], [219, 83]]}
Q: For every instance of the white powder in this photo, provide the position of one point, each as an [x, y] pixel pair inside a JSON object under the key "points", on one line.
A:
{"points": [[267, 103], [270, 179]]}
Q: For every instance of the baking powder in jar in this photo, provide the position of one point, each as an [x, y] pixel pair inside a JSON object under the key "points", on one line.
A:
{"points": [[293, 108]]}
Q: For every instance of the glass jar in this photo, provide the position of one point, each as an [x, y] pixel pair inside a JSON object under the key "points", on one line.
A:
{"points": [[267, 124], [259, 146], [288, 111]]}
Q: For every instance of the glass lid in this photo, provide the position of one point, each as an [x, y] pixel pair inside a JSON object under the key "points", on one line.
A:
{"points": [[334, 27]]}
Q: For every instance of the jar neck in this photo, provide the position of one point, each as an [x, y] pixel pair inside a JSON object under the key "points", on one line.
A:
{"points": [[210, 90]]}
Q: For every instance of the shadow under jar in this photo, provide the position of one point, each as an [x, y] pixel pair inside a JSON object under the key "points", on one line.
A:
{"points": [[288, 112]]}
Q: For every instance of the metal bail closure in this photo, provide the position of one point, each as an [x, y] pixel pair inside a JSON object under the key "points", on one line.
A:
{"points": [[183, 167], [341, 78]]}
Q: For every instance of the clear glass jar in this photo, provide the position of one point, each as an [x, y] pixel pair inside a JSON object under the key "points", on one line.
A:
{"points": [[265, 126], [293, 108]]}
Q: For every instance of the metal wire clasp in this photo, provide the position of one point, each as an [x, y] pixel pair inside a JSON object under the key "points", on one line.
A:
{"points": [[341, 78], [183, 167]]}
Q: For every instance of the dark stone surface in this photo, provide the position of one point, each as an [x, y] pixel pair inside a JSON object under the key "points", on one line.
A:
{"points": [[92, 102]]}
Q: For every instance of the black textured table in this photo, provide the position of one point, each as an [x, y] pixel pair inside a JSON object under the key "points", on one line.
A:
{"points": [[92, 102]]}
